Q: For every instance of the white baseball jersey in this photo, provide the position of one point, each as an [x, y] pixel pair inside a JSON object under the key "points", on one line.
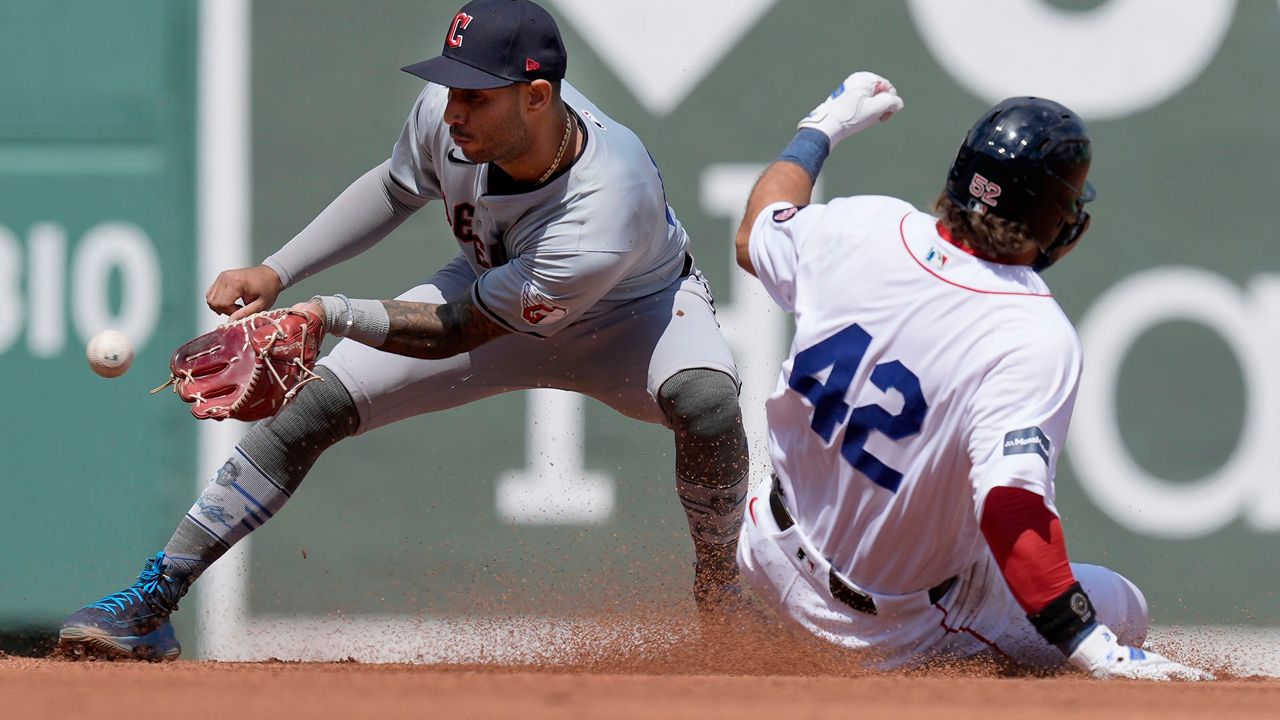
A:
{"points": [[596, 237], [920, 377]]}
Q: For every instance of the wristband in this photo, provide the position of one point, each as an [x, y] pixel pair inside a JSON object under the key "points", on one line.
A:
{"points": [[365, 321], [349, 315], [808, 149], [1066, 620]]}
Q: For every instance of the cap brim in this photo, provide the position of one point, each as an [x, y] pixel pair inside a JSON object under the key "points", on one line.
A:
{"points": [[454, 74]]}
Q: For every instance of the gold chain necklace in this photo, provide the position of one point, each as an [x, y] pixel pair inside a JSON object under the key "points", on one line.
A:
{"points": [[568, 131]]}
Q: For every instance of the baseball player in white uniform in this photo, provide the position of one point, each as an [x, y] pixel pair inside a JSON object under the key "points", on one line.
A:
{"points": [[920, 415], [572, 273]]}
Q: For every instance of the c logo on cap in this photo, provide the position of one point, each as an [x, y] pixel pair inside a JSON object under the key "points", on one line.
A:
{"points": [[460, 23]]}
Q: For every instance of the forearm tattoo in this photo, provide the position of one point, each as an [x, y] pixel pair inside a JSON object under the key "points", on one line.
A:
{"points": [[432, 332]]}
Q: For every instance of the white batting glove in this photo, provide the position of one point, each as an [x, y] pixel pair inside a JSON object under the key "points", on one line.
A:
{"points": [[1103, 657], [862, 100]]}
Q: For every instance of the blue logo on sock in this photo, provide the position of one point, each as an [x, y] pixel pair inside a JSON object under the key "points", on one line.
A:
{"points": [[214, 513], [227, 474]]}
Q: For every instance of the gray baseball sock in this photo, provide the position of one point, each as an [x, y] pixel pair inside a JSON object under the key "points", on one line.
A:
{"points": [[711, 462], [266, 467]]}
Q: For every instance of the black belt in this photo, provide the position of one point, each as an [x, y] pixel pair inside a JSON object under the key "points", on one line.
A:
{"points": [[840, 589], [688, 266]]}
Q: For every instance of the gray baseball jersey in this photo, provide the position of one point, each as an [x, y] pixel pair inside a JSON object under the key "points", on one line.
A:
{"points": [[599, 235], [592, 270]]}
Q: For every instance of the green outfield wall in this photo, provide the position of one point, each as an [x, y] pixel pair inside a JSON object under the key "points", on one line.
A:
{"points": [[97, 178], [1168, 478]]}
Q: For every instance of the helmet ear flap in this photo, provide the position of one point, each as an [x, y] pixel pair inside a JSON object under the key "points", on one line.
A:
{"points": [[1068, 236]]}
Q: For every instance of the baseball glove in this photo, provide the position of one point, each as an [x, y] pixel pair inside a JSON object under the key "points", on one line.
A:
{"points": [[247, 369]]}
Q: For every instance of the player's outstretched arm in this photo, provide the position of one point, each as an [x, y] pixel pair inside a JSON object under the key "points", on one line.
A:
{"points": [[781, 182], [421, 330], [366, 212], [1026, 539], [862, 100]]}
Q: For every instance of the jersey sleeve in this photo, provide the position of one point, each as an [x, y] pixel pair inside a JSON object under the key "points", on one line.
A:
{"points": [[1021, 412], [777, 238], [413, 156], [543, 292]]}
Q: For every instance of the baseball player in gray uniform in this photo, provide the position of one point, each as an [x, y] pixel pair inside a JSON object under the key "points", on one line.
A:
{"points": [[572, 273]]}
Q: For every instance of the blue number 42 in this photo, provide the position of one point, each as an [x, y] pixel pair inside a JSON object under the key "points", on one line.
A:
{"points": [[841, 354]]}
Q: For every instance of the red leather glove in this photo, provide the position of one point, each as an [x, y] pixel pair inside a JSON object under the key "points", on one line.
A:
{"points": [[247, 369]]}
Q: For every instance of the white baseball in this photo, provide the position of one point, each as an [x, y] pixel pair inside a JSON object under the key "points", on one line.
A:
{"points": [[110, 353]]}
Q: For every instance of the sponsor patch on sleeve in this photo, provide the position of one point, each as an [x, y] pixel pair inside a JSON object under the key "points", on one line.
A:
{"points": [[538, 309], [1027, 440], [784, 214]]}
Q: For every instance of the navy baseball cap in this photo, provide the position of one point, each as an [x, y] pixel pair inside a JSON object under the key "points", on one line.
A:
{"points": [[494, 43]]}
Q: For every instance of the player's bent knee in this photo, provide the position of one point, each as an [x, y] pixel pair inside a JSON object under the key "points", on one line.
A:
{"points": [[1120, 604], [711, 463], [288, 444], [700, 402]]}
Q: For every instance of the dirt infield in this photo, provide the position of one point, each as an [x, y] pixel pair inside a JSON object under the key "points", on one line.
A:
{"points": [[318, 691]]}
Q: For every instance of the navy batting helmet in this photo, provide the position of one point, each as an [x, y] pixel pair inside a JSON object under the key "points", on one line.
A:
{"points": [[1026, 160]]}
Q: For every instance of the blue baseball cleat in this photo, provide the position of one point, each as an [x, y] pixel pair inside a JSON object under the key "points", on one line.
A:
{"points": [[131, 624]]}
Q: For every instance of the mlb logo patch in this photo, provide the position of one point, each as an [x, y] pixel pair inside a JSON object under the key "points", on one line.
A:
{"points": [[785, 214], [936, 259]]}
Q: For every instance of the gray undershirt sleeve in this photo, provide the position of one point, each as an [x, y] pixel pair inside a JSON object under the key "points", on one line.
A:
{"points": [[365, 213]]}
